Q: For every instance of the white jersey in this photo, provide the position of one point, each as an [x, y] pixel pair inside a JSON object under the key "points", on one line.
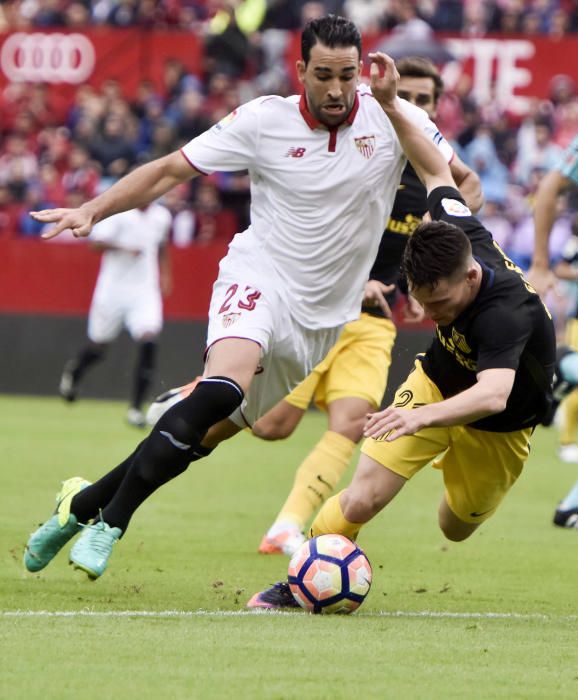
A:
{"points": [[320, 199], [123, 272]]}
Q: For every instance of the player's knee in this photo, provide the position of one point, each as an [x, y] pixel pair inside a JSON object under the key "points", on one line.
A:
{"points": [[360, 505], [456, 531]]}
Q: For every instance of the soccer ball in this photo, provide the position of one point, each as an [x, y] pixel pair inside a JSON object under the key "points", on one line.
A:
{"points": [[163, 402], [329, 574]]}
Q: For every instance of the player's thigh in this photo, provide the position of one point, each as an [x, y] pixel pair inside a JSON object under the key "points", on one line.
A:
{"points": [[347, 416], [236, 358], [144, 316], [360, 368], [408, 454], [480, 468], [105, 321]]}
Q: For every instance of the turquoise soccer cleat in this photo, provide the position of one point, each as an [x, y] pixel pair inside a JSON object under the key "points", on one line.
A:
{"points": [[92, 551], [48, 540]]}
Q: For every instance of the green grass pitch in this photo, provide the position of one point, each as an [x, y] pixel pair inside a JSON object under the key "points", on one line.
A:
{"points": [[493, 617]]}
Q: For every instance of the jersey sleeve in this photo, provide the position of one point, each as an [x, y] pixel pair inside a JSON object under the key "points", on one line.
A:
{"points": [[568, 165], [229, 145], [447, 204], [419, 117], [503, 334]]}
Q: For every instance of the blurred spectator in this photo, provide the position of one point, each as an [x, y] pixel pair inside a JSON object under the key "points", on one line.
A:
{"points": [[82, 174], [18, 166], [113, 148], [10, 211], [480, 154], [539, 153]]}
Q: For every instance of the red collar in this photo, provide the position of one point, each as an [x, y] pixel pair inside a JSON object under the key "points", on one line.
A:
{"points": [[313, 123]]}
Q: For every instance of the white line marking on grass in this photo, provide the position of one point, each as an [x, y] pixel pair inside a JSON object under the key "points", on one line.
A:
{"points": [[424, 614]]}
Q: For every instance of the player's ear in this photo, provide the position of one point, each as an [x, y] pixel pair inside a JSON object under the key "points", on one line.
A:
{"points": [[360, 73], [301, 68]]}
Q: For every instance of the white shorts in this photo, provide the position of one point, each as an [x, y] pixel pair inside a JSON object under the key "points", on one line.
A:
{"points": [[141, 315], [245, 304]]}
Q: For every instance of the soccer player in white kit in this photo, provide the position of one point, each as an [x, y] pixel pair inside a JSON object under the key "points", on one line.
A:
{"points": [[133, 277], [324, 170]]}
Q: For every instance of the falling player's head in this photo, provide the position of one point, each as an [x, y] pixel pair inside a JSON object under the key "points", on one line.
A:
{"points": [[330, 67], [419, 83], [441, 271]]}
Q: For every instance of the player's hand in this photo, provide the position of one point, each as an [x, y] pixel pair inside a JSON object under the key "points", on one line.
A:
{"points": [[374, 295], [542, 279], [413, 311], [393, 423], [383, 78], [79, 221]]}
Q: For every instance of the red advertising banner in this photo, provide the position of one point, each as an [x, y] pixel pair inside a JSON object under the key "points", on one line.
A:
{"points": [[65, 60], [509, 70], [39, 277]]}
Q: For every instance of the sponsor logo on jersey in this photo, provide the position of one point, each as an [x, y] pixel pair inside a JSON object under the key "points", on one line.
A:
{"points": [[455, 208], [225, 121], [460, 341], [295, 152], [365, 145], [229, 319]]}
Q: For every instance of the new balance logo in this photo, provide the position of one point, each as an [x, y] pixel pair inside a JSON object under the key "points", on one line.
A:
{"points": [[295, 152]]}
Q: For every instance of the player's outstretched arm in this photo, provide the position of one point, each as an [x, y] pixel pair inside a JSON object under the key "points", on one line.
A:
{"points": [[138, 188], [486, 397], [539, 275], [425, 157]]}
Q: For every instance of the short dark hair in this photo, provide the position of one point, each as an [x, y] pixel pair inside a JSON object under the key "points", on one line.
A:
{"points": [[419, 67], [436, 250], [330, 31]]}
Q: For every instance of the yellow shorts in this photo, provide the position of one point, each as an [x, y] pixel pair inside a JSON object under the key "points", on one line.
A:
{"points": [[356, 366], [572, 333], [479, 467]]}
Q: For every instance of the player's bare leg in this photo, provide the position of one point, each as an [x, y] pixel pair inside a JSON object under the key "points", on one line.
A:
{"points": [[278, 423], [453, 528], [373, 486]]}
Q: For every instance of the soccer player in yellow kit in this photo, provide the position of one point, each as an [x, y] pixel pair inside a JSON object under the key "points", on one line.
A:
{"points": [[474, 397], [352, 378]]}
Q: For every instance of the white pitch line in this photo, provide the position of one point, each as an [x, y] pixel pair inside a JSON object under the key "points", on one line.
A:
{"points": [[424, 614]]}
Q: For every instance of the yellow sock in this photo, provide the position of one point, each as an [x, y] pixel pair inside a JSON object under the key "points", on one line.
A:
{"points": [[570, 424], [317, 477], [330, 519]]}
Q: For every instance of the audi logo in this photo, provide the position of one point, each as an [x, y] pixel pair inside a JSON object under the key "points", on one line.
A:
{"points": [[47, 58]]}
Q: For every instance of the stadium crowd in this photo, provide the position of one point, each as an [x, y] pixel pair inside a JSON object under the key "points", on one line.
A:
{"points": [[53, 153]]}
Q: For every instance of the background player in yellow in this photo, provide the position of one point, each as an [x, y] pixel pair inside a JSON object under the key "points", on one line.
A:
{"points": [[351, 380], [474, 398]]}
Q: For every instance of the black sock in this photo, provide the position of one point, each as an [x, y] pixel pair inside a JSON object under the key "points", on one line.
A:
{"points": [[86, 358], [173, 444], [144, 372], [87, 503]]}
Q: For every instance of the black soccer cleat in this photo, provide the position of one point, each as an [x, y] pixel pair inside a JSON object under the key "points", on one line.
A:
{"points": [[566, 518], [278, 596]]}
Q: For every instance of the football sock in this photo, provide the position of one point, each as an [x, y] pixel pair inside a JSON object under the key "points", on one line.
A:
{"points": [[570, 424], [330, 519], [82, 505], [86, 358], [316, 478], [172, 445], [571, 500], [144, 372]]}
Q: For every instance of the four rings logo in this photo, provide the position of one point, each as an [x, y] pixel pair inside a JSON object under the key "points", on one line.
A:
{"points": [[47, 58]]}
